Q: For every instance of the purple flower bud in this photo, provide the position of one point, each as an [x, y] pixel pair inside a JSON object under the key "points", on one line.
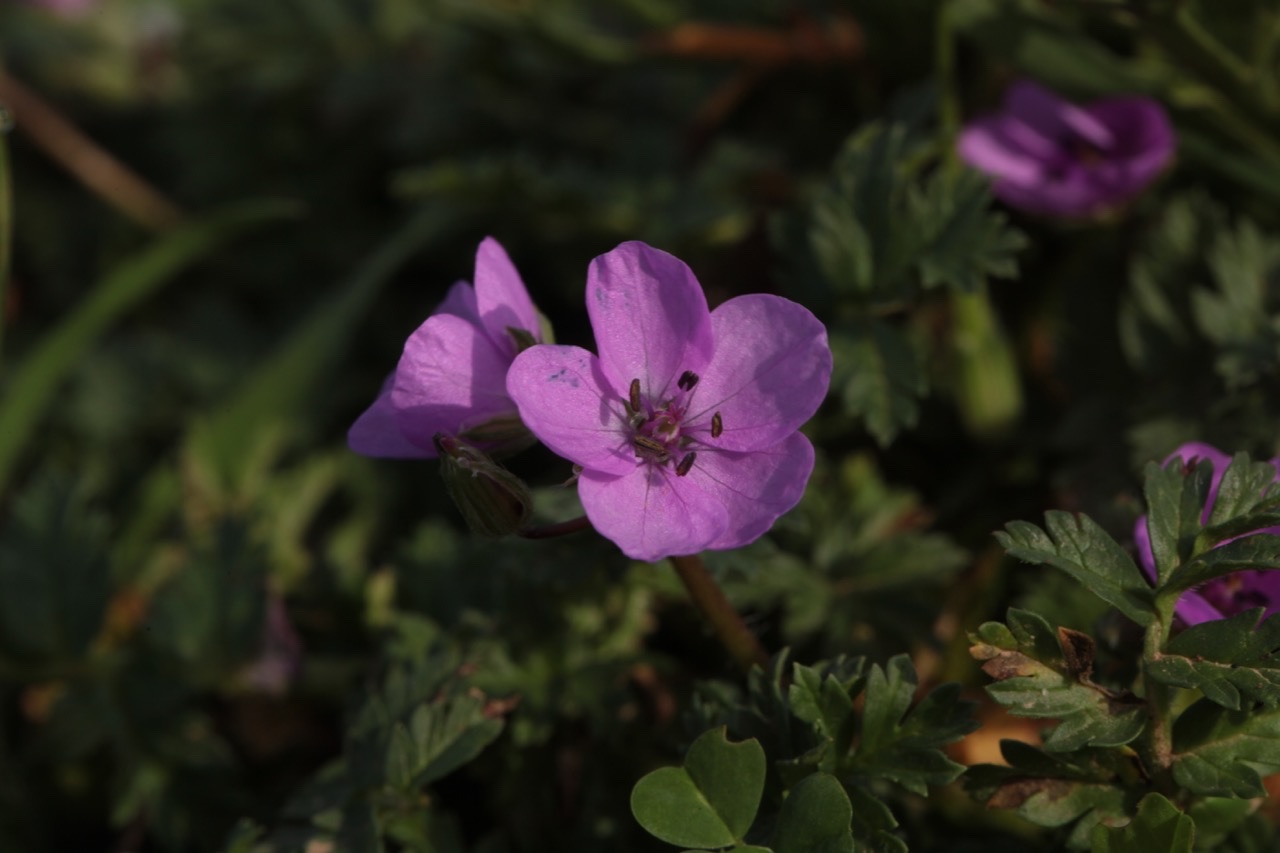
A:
{"points": [[1053, 157], [1224, 596]]}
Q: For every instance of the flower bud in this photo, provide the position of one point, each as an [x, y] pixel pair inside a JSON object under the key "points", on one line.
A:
{"points": [[492, 500], [500, 436]]}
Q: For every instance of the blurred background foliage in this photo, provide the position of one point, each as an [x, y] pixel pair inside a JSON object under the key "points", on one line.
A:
{"points": [[221, 630]]}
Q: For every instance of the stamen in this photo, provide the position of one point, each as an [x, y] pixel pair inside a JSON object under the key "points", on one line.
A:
{"points": [[717, 425], [687, 380], [634, 396], [685, 464], [650, 448]]}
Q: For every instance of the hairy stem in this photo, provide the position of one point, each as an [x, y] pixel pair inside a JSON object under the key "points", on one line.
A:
{"points": [[709, 598]]}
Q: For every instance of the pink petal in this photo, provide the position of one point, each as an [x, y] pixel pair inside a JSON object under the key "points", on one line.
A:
{"points": [[997, 146], [501, 297], [755, 488], [377, 433], [460, 301], [651, 513], [650, 318], [450, 377], [566, 402], [1053, 116], [1193, 609], [769, 374]]}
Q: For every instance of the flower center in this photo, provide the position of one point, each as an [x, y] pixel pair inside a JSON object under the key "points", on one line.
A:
{"points": [[656, 429]]}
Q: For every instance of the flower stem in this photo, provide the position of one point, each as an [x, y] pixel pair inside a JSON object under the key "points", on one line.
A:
{"points": [[6, 217], [563, 528], [708, 597]]}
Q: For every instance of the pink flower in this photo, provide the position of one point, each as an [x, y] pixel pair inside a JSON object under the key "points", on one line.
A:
{"points": [[686, 424], [452, 377], [1224, 596], [1051, 156]]}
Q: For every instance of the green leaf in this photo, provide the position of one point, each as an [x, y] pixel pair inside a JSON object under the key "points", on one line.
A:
{"points": [[1242, 491], [901, 743], [1217, 752], [711, 801], [447, 735], [815, 818], [1175, 502], [1082, 549], [1225, 658], [879, 375], [825, 702], [35, 382], [1158, 825], [1258, 551], [964, 241], [53, 573], [1034, 679], [1055, 790], [873, 823]]}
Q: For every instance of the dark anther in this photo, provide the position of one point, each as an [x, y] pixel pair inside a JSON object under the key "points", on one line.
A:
{"points": [[687, 380], [685, 464], [633, 396], [717, 425], [650, 448]]}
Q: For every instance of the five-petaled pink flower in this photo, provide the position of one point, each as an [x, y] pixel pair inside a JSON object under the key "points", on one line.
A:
{"points": [[1227, 595], [452, 377], [686, 425], [1051, 156]]}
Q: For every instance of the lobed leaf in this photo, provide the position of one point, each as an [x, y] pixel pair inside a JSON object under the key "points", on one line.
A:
{"points": [[1218, 752], [815, 818], [901, 743], [1082, 549], [1033, 680], [1225, 659]]}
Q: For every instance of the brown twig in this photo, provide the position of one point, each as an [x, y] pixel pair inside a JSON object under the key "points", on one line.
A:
{"points": [[87, 161]]}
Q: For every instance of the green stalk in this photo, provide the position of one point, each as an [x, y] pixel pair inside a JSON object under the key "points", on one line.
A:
{"points": [[742, 645], [6, 220]]}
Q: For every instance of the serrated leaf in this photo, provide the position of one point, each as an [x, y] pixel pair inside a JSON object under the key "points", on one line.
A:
{"points": [[1175, 502], [824, 702], [1158, 825], [1082, 549], [815, 818], [873, 823], [880, 377], [965, 241], [708, 803], [1217, 752], [901, 743], [1255, 551], [1225, 658], [447, 735], [1033, 681], [1056, 789], [1242, 490]]}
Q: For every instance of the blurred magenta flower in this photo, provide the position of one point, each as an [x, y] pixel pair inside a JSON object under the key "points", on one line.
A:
{"points": [[1053, 157], [452, 377], [686, 425], [1225, 596]]}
